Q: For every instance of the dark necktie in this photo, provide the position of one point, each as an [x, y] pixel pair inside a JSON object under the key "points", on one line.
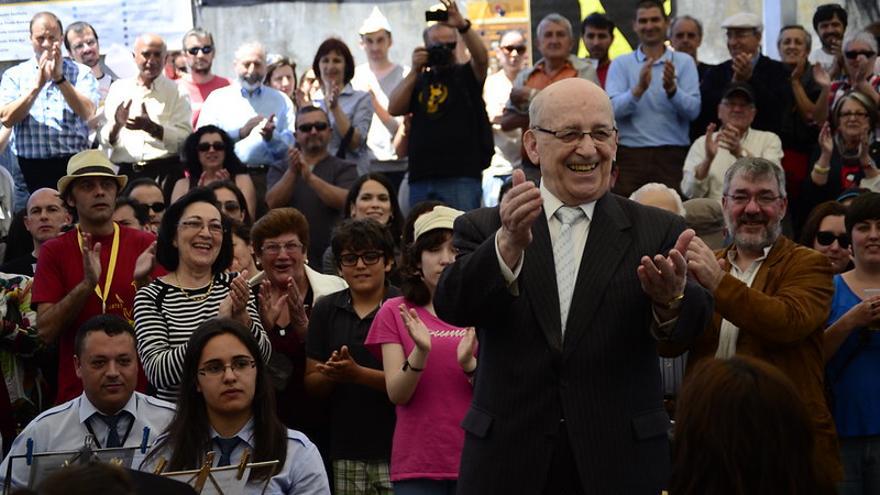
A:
{"points": [[112, 431], [227, 445]]}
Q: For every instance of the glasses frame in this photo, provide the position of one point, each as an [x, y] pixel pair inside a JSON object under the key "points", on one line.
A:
{"points": [[351, 259], [318, 126], [827, 238], [213, 228], [216, 146], [242, 363], [194, 50], [274, 249], [575, 132], [762, 200]]}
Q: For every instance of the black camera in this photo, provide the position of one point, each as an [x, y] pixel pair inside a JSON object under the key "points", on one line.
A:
{"points": [[436, 16], [441, 54]]}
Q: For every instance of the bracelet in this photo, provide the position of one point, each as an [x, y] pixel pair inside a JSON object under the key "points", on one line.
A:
{"points": [[673, 303], [466, 28], [821, 170], [407, 366], [60, 81]]}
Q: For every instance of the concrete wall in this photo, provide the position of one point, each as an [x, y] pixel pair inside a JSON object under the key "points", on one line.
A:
{"points": [[296, 29]]}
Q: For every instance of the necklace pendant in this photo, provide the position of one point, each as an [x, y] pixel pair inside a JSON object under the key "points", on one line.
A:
{"points": [[282, 332]]}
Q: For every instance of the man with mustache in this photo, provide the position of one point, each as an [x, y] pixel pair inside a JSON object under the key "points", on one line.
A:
{"points": [[829, 22], [109, 409], [259, 118], [785, 289], [92, 269], [147, 118]]}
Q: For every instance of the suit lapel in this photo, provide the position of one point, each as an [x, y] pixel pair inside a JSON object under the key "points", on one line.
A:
{"points": [[539, 275], [606, 246]]}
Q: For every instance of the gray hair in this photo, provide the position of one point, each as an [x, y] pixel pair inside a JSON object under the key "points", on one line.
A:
{"points": [[864, 37], [247, 47], [198, 33], [656, 186], [685, 17], [755, 168], [554, 18], [807, 35]]}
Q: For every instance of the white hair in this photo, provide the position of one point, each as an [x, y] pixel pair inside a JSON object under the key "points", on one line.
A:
{"points": [[656, 186], [248, 47], [556, 19], [864, 37]]}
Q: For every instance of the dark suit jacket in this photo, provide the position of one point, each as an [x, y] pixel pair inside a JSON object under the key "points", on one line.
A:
{"points": [[604, 380], [770, 83]]}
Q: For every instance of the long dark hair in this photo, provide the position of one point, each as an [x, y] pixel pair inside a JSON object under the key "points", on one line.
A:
{"points": [[239, 196], [191, 162], [188, 433], [742, 429], [395, 223]]}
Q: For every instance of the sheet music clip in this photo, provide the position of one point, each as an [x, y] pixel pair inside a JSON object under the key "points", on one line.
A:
{"points": [[204, 472], [242, 464]]}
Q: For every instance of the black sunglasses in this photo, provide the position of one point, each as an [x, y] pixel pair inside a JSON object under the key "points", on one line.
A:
{"points": [[854, 54], [826, 238], [157, 207], [518, 48], [306, 128], [204, 49], [218, 146]]}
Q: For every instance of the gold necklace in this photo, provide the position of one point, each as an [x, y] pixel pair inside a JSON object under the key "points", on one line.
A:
{"points": [[194, 298]]}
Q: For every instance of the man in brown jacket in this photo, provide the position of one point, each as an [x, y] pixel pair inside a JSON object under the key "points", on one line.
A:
{"points": [[772, 296]]}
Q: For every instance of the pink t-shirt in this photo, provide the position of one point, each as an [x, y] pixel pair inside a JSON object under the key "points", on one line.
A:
{"points": [[428, 437], [198, 93]]}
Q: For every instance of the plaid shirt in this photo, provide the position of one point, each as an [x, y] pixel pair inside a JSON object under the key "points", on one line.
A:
{"points": [[51, 127]]}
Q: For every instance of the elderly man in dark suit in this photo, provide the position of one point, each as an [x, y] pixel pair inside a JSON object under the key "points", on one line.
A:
{"points": [[571, 287]]}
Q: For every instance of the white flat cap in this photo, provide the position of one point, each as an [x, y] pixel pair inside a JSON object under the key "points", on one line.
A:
{"points": [[743, 20]]}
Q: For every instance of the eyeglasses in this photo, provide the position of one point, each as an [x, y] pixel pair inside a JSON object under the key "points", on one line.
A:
{"points": [[239, 365], [157, 207], [370, 258], [573, 135], [216, 146], [854, 54], [196, 49], [510, 48], [306, 128], [860, 115], [274, 249], [826, 238], [230, 206], [214, 228], [761, 199]]}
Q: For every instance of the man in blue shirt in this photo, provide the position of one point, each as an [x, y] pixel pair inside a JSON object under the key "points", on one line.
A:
{"points": [[655, 93], [48, 99], [258, 118]]}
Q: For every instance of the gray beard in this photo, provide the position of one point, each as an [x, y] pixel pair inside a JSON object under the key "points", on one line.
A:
{"points": [[751, 243]]}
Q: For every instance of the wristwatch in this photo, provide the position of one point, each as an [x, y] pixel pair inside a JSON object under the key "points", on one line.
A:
{"points": [[59, 81], [466, 28]]}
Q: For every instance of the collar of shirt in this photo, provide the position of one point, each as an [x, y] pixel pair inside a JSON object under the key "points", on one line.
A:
{"points": [[641, 57], [87, 409], [731, 257], [246, 433], [251, 94], [552, 203]]}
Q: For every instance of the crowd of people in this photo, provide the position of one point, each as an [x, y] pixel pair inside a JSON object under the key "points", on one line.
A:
{"points": [[437, 277]]}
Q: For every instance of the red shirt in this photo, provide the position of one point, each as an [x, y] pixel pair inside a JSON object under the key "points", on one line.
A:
{"points": [[59, 270], [198, 93]]}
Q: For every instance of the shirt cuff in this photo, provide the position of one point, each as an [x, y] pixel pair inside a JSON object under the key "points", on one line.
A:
{"points": [[510, 276], [661, 330]]}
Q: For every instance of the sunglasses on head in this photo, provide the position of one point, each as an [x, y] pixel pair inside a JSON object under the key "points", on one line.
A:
{"points": [[204, 49], [854, 54], [826, 238], [217, 146], [320, 126]]}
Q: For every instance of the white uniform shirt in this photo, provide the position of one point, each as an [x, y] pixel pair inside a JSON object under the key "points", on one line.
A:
{"points": [[64, 428]]}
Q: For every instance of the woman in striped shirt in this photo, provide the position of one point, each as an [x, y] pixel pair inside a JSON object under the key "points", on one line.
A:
{"points": [[195, 245]]}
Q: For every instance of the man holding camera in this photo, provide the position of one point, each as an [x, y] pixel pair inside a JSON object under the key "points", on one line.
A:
{"points": [[450, 139]]}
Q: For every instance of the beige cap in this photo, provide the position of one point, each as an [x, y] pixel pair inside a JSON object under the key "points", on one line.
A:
{"points": [[743, 20], [706, 217], [441, 217], [375, 22], [89, 163]]}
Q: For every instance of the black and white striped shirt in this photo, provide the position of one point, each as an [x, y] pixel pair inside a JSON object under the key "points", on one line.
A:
{"points": [[164, 319]]}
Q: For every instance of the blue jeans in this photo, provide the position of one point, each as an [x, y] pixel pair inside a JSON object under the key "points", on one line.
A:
{"points": [[861, 465], [462, 193], [424, 487]]}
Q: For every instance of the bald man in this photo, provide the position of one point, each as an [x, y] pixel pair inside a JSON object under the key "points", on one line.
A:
{"points": [[571, 287], [148, 117], [44, 218], [49, 100]]}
